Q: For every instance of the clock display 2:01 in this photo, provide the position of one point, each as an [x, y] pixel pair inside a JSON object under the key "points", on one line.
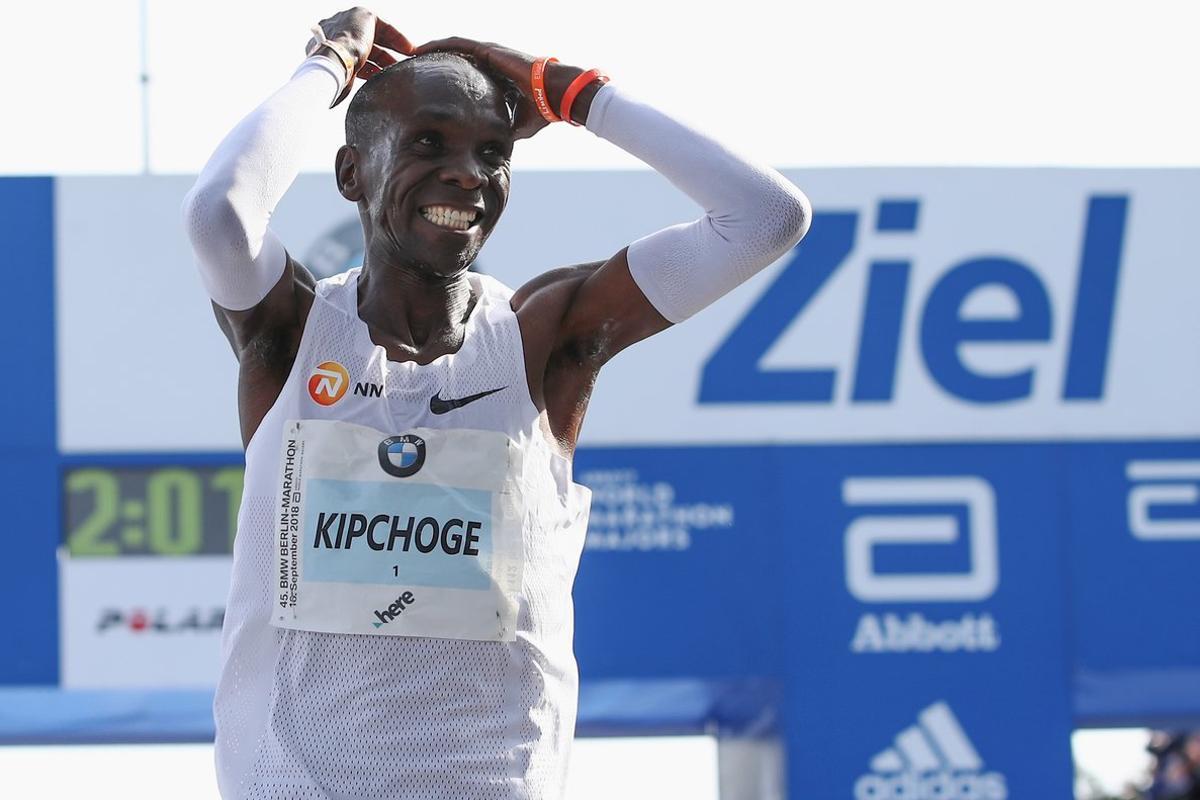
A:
{"points": [[160, 510]]}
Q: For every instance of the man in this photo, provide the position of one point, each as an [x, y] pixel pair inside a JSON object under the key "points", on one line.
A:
{"points": [[400, 622]]}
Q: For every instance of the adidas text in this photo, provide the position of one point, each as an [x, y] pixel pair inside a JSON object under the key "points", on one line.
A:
{"points": [[891, 633], [932, 786]]}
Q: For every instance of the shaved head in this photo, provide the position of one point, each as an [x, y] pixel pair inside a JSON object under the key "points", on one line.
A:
{"points": [[429, 142], [466, 81]]}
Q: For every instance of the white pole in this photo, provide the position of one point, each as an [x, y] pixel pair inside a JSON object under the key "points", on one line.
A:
{"points": [[143, 8]]}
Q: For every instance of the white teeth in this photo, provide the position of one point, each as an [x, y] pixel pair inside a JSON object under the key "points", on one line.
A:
{"points": [[450, 217]]}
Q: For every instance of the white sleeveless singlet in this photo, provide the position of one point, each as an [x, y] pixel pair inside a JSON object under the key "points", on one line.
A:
{"points": [[305, 714]]}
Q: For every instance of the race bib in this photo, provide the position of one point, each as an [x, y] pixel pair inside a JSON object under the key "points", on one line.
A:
{"points": [[415, 534]]}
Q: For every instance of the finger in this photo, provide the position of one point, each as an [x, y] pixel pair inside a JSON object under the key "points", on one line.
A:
{"points": [[430, 47], [456, 43], [368, 70], [391, 38], [382, 57]]}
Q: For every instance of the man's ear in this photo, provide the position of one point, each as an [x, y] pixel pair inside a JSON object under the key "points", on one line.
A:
{"points": [[345, 170]]}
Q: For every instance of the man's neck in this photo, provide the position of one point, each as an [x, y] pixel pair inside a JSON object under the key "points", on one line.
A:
{"points": [[413, 315]]}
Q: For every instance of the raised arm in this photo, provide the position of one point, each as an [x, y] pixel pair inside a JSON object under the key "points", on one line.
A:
{"points": [[227, 212], [574, 320], [260, 295], [753, 215]]}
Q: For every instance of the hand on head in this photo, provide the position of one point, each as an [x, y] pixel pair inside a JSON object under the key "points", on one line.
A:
{"points": [[372, 43], [368, 39], [512, 64]]}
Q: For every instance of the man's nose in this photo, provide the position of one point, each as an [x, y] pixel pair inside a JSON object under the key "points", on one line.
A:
{"points": [[464, 171]]}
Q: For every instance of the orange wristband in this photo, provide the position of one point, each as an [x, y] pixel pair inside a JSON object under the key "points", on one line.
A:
{"points": [[538, 81], [575, 88]]}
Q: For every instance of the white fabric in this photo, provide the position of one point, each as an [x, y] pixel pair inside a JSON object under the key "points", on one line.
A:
{"points": [[227, 211], [302, 714], [319, 40], [753, 215], [319, 34]]}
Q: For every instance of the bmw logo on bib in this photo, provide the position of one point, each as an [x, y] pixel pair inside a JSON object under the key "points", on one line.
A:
{"points": [[402, 456]]}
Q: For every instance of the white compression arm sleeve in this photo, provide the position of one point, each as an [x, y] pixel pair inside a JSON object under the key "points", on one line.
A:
{"points": [[753, 214], [227, 211]]}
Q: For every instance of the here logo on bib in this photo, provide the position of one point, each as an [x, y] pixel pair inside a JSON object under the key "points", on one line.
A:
{"points": [[413, 534]]}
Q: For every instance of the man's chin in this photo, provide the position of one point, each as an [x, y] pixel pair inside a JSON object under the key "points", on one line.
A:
{"points": [[449, 264], [441, 257], [442, 267]]}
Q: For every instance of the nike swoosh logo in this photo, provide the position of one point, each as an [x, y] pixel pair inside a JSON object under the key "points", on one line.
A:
{"points": [[439, 406]]}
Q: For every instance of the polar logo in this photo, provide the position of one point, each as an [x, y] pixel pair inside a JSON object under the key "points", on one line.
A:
{"points": [[876, 530], [1163, 485], [328, 383], [137, 620], [931, 760]]}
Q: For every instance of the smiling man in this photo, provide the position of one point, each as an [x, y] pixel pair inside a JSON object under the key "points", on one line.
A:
{"points": [[399, 623]]}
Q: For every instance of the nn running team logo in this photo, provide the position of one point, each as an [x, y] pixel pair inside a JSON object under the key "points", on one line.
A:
{"points": [[931, 760], [328, 383]]}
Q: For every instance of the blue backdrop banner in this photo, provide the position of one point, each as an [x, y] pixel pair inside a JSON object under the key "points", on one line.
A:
{"points": [[918, 498]]}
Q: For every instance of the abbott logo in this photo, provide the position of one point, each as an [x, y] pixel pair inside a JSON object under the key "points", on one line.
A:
{"points": [[931, 760], [869, 531], [1158, 492], [328, 383]]}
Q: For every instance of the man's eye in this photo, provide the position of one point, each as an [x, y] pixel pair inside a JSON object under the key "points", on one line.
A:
{"points": [[427, 139]]}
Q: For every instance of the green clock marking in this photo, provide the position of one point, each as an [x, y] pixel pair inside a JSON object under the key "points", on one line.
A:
{"points": [[162, 510], [133, 536]]}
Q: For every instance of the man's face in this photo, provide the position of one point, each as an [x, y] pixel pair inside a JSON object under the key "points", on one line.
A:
{"points": [[435, 167]]}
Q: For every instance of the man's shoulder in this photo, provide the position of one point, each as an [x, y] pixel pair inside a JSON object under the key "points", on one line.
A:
{"points": [[561, 284]]}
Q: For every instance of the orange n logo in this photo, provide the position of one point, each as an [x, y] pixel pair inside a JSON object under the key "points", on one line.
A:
{"points": [[328, 383]]}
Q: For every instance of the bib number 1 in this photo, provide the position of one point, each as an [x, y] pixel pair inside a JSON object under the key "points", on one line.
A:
{"points": [[413, 534]]}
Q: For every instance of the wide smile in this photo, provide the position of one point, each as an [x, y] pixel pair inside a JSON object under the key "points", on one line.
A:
{"points": [[451, 218]]}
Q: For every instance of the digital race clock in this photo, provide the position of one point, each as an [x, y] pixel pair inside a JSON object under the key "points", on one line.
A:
{"points": [[167, 510]]}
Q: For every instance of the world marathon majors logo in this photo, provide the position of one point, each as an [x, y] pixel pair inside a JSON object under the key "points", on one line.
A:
{"points": [[931, 760], [402, 456]]}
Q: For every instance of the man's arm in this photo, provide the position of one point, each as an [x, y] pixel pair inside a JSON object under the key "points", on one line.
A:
{"points": [[753, 215], [227, 212], [573, 321], [562, 362], [261, 296]]}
